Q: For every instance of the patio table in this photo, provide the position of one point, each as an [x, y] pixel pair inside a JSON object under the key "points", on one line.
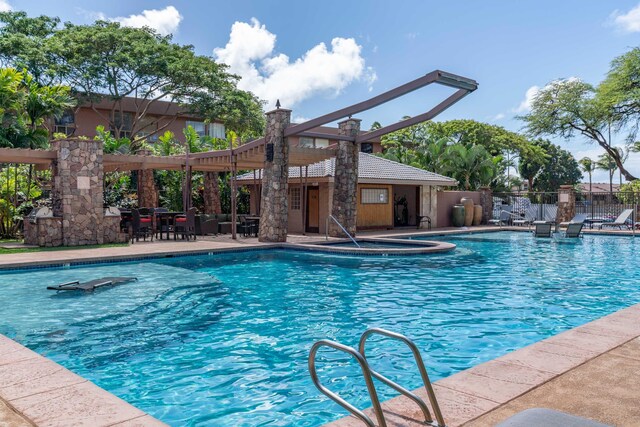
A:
{"points": [[166, 218], [597, 220]]}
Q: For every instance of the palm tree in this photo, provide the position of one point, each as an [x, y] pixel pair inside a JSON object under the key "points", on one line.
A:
{"points": [[587, 165], [607, 163], [472, 166]]}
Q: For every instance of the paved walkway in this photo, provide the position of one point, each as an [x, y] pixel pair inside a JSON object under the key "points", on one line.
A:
{"points": [[605, 389]]}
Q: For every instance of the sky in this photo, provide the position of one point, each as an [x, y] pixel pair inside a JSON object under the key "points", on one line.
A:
{"points": [[317, 57]]}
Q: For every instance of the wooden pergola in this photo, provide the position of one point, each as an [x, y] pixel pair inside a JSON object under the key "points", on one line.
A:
{"points": [[246, 157]]}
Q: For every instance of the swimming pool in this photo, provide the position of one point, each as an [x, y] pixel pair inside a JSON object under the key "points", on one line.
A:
{"points": [[223, 340]]}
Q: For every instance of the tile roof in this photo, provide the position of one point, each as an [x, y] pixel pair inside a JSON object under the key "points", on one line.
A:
{"points": [[370, 167]]}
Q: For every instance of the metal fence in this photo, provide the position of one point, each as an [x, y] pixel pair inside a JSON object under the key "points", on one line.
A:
{"points": [[537, 206], [606, 205], [530, 206]]}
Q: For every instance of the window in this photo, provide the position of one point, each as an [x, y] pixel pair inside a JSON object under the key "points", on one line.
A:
{"points": [[199, 127], [370, 196], [366, 147], [124, 123], [65, 124], [294, 198], [216, 130], [321, 143], [308, 142], [305, 142]]}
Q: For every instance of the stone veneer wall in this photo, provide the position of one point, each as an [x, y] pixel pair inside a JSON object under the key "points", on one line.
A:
{"points": [[147, 191], [566, 203], [275, 197], [344, 204], [78, 191], [486, 201], [46, 232], [111, 230], [211, 193]]}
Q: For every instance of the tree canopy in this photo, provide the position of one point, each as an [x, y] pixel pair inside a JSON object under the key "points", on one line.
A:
{"points": [[106, 61]]}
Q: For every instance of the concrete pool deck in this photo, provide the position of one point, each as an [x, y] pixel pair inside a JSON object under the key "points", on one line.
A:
{"points": [[592, 370]]}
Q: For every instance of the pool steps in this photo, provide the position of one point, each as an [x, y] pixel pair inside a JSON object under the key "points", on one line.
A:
{"points": [[368, 374]]}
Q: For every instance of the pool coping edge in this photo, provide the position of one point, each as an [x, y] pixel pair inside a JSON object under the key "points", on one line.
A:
{"points": [[472, 393]]}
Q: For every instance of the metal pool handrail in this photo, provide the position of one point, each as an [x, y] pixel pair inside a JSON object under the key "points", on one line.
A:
{"points": [[421, 368], [366, 373], [326, 230]]}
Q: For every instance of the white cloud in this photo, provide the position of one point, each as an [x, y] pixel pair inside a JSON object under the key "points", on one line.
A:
{"points": [[628, 22], [250, 53], [498, 117], [299, 119], [530, 95], [525, 105], [164, 21], [5, 6]]}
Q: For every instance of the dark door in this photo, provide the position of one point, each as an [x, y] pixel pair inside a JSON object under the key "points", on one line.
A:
{"points": [[313, 210]]}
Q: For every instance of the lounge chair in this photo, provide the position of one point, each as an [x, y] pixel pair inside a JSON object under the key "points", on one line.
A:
{"points": [[619, 222], [579, 218], [505, 217], [547, 418], [529, 216], [542, 229], [574, 230]]}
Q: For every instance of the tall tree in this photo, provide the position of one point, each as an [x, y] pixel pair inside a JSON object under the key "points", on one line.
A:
{"points": [[107, 62], [587, 165], [566, 108], [607, 163]]}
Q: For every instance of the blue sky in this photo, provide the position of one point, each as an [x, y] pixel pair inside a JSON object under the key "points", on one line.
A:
{"points": [[507, 46]]}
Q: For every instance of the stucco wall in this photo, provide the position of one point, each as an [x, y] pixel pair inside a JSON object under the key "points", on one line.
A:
{"points": [[446, 200]]}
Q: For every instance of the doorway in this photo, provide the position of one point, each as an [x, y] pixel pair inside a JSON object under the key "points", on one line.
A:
{"points": [[313, 210]]}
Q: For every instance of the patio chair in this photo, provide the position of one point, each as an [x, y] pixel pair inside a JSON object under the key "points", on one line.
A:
{"points": [[206, 224], [529, 216], [577, 219], [185, 225], [574, 230], [542, 229], [619, 222], [503, 219], [141, 225]]}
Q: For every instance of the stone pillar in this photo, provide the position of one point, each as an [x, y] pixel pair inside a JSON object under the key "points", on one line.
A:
{"points": [[147, 190], [486, 201], [78, 191], [566, 203], [345, 182], [211, 193], [275, 197]]}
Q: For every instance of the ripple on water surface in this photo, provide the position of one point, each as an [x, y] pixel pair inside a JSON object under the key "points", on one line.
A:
{"points": [[224, 339]]}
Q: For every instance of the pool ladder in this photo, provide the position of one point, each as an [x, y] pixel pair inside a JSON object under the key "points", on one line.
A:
{"points": [[369, 374]]}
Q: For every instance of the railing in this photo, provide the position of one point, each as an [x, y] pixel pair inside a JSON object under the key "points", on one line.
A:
{"points": [[344, 230], [423, 373], [366, 373]]}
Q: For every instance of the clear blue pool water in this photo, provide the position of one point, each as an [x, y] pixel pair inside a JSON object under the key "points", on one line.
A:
{"points": [[223, 340]]}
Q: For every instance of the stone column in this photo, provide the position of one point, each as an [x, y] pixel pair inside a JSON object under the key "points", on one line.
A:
{"points": [[147, 190], [566, 203], [275, 197], [486, 201], [211, 193], [345, 182], [78, 191]]}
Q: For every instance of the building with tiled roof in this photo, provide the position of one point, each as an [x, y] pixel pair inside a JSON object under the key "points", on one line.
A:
{"points": [[390, 194]]}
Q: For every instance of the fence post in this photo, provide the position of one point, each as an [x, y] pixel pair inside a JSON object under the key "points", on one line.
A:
{"points": [[566, 203]]}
